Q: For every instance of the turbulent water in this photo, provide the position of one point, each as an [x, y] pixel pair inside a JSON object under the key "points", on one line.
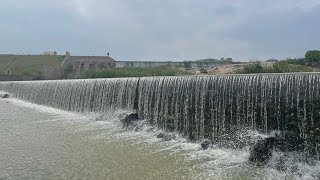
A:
{"points": [[202, 107]]}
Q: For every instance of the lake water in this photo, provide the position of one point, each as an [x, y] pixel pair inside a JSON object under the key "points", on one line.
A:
{"points": [[39, 142]]}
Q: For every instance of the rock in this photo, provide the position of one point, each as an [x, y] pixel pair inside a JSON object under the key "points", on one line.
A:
{"points": [[261, 152], [166, 137], [129, 120], [311, 161], [161, 135], [205, 144], [5, 96], [204, 71], [281, 165]]}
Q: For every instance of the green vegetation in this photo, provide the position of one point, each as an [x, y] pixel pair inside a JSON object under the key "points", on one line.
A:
{"points": [[210, 60], [27, 64], [4, 61], [313, 56], [298, 61], [277, 67], [134, 72]]}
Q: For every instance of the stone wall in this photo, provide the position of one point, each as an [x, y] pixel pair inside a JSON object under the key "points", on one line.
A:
{"points": [[80, 64], [149, 64]]}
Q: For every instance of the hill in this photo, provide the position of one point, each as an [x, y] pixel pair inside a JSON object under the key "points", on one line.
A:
{"points": [[28, 64]]}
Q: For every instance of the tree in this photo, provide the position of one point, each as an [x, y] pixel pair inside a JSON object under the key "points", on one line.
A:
{"points": [[229, 60], [313, 55]]}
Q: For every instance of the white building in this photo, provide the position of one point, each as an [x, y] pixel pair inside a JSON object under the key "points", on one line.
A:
{"points": [[49, 53]]}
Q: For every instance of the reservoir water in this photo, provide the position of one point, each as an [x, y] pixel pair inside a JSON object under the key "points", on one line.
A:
{"points": [[39, 142]]}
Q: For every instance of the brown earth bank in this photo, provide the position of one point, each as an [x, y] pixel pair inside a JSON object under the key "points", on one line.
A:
{"points": [[223, 69]]}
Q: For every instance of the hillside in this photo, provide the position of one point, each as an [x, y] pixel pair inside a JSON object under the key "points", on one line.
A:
{"points": [[27, 64]]}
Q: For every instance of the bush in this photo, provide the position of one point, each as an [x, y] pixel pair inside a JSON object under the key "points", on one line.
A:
{"points": [[277, 67], [299, 61], [253, 68], [283, 67]]}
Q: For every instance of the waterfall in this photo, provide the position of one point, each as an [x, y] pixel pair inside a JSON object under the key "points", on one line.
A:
{"points": [[197, 106], [206, 107], [77, 95]]}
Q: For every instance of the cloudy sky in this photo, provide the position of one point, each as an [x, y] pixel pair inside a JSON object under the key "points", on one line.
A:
{"points": [[162, 29]]}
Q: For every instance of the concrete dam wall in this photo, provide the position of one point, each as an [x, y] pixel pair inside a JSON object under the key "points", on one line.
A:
{"points": [[149, 64]]}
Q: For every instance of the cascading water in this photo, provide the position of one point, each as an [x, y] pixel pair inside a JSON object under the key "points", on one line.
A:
{"points": [[77, 95], [199, 107]]}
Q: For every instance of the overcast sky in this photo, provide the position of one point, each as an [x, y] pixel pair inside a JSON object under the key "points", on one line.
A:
{"points": [[162, 29]]}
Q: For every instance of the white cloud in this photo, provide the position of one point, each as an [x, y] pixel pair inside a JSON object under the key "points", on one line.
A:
{"points": [[82, 7], [308, 5]]}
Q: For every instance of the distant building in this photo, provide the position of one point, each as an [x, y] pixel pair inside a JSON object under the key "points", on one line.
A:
{"points": [[49, 53], [80, 64]]}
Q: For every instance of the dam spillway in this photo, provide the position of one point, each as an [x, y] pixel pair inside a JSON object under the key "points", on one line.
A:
{"points": [[199, 107]]}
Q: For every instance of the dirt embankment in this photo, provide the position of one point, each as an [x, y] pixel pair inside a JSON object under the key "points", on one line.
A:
{"points": [[224, 69]]}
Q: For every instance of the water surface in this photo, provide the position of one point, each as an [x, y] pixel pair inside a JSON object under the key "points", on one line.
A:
{"points": [[51, 144]]}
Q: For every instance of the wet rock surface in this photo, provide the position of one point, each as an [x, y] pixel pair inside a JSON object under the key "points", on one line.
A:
{"points": [[4, 95], [205, 144], [166, 137], [261, 152], [129, 120]]}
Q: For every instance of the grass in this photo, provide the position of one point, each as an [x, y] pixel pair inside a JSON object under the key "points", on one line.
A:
{"points": [[277, 67], [4, 60], [134, 72], [27, 64]]}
